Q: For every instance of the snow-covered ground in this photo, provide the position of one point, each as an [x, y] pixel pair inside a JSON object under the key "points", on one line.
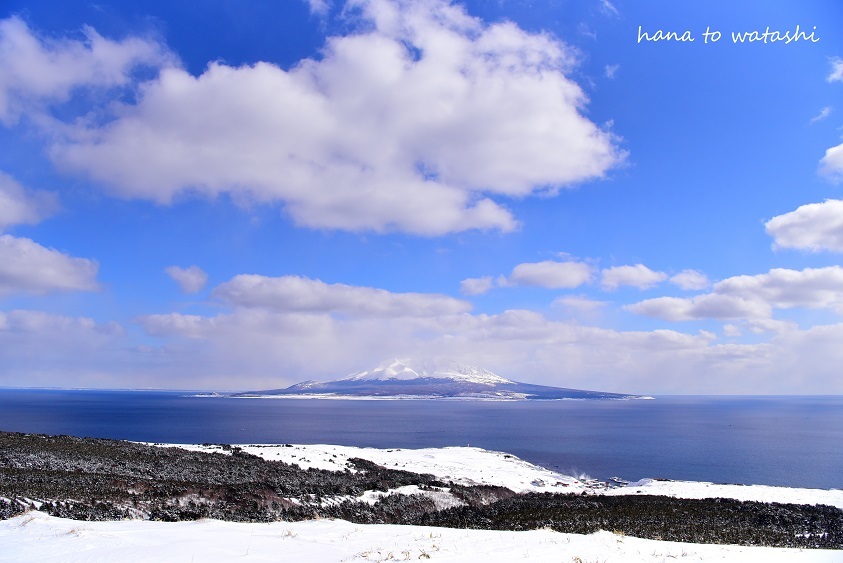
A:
{"points": [[37, 537]]}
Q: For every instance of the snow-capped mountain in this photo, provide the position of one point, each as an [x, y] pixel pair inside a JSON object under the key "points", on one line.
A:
{"points": [[407, 379], [408, 369]]}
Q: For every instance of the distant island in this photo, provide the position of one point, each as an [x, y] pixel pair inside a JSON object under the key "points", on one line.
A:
{"points": [[426, 379]]}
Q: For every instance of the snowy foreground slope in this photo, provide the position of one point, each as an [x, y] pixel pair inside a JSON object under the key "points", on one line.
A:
{"points": [[38, 537], [35, 536]]}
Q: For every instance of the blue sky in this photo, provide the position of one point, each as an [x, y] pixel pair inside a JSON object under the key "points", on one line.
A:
{"points": [[226, 195]]}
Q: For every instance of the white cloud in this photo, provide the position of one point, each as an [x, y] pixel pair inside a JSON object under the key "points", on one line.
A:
{"points": [[24, 321], [43, 349], [304, 295], [815, 227], [836, 73], [35, 72], [608, 8], [262, 347], [831, 165], [190, 279], [583, 29], [785, 289], [580, 307], [411, 124], [28, 267], [690, 279], [825, 112], [610, 71], [709, 306], [754, 297], [776, 326], [639, 276], [319, 7], [278, 349], [578, 303], [260, 341], [19, 206], [550, 274], [476, 286]]}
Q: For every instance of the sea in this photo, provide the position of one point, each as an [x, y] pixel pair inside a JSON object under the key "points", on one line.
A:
{"points": [[771, 440]]}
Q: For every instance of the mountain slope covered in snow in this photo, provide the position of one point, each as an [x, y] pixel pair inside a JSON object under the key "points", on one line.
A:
{"points": [[407, 379]]}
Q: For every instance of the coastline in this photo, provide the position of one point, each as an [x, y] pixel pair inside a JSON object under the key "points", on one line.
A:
{"points": [[336, 397], [477, 466], [35, 535]]}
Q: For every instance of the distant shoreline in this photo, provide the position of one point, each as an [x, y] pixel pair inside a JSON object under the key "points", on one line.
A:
{"points": [[332, 397]]}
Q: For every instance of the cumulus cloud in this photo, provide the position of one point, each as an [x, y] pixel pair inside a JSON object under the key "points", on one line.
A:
{"points": [[710, 306], [639, 276], [24, 321], [19, 206], [610, 71], [305, 295], [413, 123], [759, 326], [190, 279], [37, 71], [28, 267], [263, 341], [476, 286], [550, 274], [690, 279], [785, 289], [836, 73], [754, 297], [319, 345], [814, 227], [260, 345], [831, 165]]}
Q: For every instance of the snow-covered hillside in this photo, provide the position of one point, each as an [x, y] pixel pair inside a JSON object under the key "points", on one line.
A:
{"points": [[407, 369], [35, 536]]}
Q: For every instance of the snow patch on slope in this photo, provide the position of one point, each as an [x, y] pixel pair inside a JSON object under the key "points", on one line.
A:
{"points": [[408, 369]]}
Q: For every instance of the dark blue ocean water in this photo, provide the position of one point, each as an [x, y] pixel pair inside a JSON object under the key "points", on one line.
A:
{"points": [[791, 441]]}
